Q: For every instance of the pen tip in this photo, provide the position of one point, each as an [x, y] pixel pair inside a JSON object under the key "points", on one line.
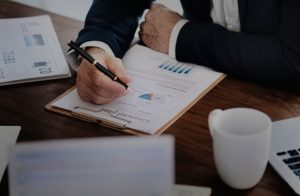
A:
{"points": [[129, 89]]}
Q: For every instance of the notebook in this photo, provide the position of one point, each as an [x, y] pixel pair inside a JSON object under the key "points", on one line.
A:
{"points": [[161, 90], [30, 51], [285, 151]]}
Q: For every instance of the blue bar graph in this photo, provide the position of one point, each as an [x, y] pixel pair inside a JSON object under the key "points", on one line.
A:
{"points": [[176, 67]]}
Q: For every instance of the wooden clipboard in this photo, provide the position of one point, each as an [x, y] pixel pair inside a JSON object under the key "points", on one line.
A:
{"points": [[119, 127]]}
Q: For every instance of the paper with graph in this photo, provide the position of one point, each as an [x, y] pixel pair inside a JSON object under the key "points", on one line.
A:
{"points": [[30, 51], [161, 88]]}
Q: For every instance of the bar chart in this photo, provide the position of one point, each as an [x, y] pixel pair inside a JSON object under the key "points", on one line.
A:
{"points": [[176, 67]]}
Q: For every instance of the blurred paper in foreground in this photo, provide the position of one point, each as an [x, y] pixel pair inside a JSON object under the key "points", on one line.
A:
{"points": [[8, 138], [124, 166]]}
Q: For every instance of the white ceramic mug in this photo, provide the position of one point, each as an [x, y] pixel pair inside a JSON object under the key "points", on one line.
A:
{"points": [[241, 143]]}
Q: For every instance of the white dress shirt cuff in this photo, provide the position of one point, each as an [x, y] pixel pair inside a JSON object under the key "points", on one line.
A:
{"points": [[174, 35], [74, 61], [98, 44]]}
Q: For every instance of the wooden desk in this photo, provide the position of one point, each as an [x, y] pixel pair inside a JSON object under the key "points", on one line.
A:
{"points": [[24, 105]]}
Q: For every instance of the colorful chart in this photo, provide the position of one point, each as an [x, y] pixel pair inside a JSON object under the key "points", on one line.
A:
{"points": [[176, 67], [152, 98], [148, 96]]}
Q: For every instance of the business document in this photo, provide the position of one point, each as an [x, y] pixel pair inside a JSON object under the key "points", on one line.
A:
{"points": [[160, 90], [30, 51]]}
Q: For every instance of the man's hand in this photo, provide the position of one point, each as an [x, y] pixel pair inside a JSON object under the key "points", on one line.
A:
{"points": [[156, 29], [93, 86]]}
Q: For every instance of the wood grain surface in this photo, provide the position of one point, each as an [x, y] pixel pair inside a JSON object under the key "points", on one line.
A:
{"points": [[24, 104]]}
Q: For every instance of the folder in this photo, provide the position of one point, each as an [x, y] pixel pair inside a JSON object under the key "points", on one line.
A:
{"points": [[163, 89]]}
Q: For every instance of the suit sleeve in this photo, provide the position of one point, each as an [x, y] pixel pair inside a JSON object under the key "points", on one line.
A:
{"points": [[113, 22], [269, 59]]}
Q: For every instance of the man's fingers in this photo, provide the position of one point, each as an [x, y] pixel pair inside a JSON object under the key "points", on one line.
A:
{"points": [[148, 34], [148, 29], [148, 40], [152, 14], [89, 95], [155, 6], [88, 90], [115, 65], [94, 86], [103, 82]]}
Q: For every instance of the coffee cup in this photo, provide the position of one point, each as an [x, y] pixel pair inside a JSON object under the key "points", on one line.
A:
{"points": [[241, 144]]}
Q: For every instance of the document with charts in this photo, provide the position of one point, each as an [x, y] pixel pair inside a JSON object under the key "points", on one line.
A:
{"points": [[30, 51], [161, 90]]}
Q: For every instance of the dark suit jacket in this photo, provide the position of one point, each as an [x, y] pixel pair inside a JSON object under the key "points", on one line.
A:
{"points": [[267, 50]]}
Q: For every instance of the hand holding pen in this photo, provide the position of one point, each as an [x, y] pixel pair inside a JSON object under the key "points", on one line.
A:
{"points": [[101, 77]]}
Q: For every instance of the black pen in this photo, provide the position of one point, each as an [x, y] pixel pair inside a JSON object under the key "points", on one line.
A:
{"points": [[90, 59]]}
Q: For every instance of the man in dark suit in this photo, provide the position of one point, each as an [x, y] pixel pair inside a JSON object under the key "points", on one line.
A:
{"points": [[256, 40]]}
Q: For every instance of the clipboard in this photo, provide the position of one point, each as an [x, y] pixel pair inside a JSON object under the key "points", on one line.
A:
{"points": [[90, 119], [163, 90], [122, 127]]}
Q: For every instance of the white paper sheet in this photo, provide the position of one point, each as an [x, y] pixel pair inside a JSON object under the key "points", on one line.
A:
{"points": [[187, 190], [161, 87], [116, 166], [30, 51], [8, 137]]}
